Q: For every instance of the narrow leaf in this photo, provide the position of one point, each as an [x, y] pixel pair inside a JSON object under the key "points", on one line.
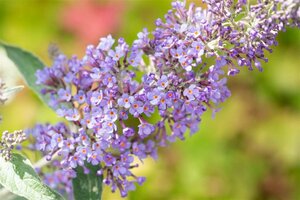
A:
{"points": [[19, 177], [87, 186], [27, 64], [10, 91]]}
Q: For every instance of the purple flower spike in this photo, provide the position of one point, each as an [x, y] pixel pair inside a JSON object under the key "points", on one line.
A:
{"points": [[101, 94]]}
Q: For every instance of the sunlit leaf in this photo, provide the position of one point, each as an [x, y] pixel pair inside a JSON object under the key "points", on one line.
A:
{"points": [[19, 177]]}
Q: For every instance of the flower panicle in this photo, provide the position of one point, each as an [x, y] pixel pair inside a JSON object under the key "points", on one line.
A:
{"points": [[9, 141], [101, 93]]}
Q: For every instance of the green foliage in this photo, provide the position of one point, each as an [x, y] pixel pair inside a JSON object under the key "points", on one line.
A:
{"points": [[27, 64], [19, 177], [87, 186]]}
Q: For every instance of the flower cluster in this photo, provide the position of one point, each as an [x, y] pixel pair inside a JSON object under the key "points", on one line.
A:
{"points": [[9, 141], [101, 95]]}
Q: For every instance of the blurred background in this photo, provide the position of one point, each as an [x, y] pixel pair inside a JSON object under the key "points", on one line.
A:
{"points": [[250, 150]]}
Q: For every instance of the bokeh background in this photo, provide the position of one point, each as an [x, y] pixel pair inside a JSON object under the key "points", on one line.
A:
{"points": [[250, 150]]}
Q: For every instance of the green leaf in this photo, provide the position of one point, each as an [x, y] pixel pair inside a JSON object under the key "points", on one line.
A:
{"points": [[87, 186], [19, 177], [27, 64], [18, 198]]}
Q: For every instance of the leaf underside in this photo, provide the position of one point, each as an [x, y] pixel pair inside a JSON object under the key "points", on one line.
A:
{"points": [[19, 177]]}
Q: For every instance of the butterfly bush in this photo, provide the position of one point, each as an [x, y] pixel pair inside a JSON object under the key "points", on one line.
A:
{"points": [[184, 62]]}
